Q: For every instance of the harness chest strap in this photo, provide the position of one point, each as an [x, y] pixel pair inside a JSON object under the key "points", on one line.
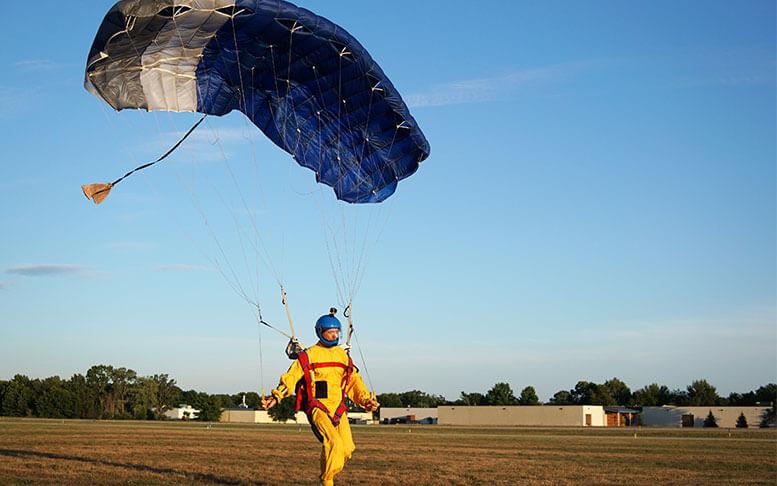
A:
{"points": [[312, 401]]}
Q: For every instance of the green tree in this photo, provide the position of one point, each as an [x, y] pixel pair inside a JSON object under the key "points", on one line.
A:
{"points": [[142, 399], [528, 397], [98, 379], [165, 393], [3, 388], [18, 398], [742, 421], [153, 395], [416, 398], [122, 381], [563, 397], [588, 393], [471, 399], [389, 400], [188, 397], [284, 410], [602, 396], [678, 397], [209, 407], [84, 400], [710, 421], [652, 395], [583, 392], [618, 390], [52, 399], [226, 400], [501, 394], [767, 394], [702, 393]]}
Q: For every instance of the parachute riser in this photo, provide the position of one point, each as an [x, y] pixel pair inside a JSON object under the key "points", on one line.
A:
{"points": [[288, 314], [293, 348], [348, 313], [98, 192]]}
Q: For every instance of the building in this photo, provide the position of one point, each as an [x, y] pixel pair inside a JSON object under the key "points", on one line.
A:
{"points": [[591, 416], [621, 416], [360, 418], [671, 416], [241, 415], [420, 415], [182, 412], [529, 415]]}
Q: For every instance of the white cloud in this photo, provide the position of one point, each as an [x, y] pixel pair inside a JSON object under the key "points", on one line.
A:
{"points": [[215, 136], [493, 88], [204, 145], [50, 270], [5, 285], [35, 65]]}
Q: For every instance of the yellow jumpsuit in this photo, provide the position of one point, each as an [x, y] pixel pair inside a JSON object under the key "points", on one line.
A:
{"points": [[337, 441]]}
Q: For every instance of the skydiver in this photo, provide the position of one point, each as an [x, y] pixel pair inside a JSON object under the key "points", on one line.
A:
{"points": [[322, 376]]}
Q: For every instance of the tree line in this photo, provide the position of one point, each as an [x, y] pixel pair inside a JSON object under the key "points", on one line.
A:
{"points": [[611, 392], [616, 392], [698, 393], [107, 392]]}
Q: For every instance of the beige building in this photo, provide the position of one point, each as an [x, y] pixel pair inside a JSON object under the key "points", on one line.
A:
{"points": [[671, 416], [535, 415], [239, 415]]}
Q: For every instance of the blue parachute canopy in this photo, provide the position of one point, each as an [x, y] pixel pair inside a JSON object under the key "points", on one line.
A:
{"points": [[304, 81]]}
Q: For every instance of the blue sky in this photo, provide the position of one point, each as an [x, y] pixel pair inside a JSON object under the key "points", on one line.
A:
{"points": [[600, 201]]}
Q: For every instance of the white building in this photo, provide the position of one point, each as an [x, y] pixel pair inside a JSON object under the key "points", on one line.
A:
{"points": [[182, 412], [361, 418]]}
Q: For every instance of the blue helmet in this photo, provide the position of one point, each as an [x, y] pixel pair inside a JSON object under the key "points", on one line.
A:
{"points": [[325, 323]]}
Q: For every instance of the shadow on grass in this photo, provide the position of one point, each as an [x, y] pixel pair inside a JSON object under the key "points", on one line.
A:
{"points": [[211, 478]]}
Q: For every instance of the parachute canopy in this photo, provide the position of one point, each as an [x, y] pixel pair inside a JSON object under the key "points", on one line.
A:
{"points": [[304, 81]]}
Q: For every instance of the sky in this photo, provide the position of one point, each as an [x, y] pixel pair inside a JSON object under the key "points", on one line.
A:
{"points": [[599, 202]]}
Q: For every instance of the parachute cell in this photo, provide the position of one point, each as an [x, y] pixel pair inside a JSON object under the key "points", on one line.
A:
{"points": [[302, 80]]}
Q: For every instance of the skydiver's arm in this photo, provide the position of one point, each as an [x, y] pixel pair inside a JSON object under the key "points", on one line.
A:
{"points": [[288, 381], [359, 393]]}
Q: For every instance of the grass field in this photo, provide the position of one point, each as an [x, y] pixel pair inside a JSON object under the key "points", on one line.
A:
{"points": [[108, 452]]}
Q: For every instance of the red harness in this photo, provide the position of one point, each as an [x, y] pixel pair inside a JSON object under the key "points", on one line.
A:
{"points": [[306, 397]]}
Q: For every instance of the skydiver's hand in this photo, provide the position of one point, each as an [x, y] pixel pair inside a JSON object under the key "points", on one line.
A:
{"points": [[269, 402], [370, 405]]}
